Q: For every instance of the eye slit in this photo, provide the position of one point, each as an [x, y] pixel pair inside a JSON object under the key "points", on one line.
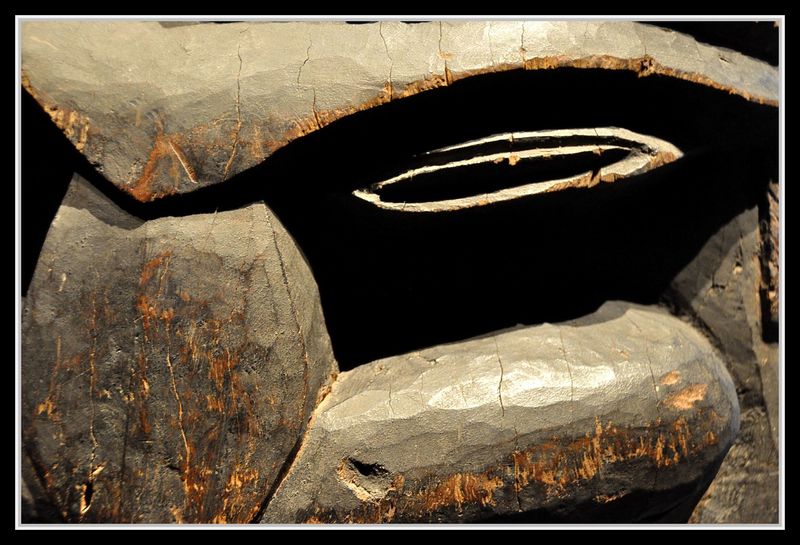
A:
{"points": [[511, 166], [506, 171]]}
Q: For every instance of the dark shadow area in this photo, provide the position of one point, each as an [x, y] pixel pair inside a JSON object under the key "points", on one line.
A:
{"points": [[366, 469], [48, 161], [769, 322], [393, 282], [672, 507]]}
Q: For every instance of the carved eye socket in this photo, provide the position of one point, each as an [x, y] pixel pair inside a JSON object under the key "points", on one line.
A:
{"points": [[514, 165]]}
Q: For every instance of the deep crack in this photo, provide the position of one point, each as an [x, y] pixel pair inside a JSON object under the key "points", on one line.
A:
{"points": [[522, 49], [569, 370], [391, 61], [447, 76], [92, 387], [500, 384], [655, 393], [295, 315], [308, 56], [238, 115]]}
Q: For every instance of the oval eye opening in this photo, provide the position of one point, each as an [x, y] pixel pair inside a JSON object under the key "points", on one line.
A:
{"points": [[515, 165], [492, 176]]}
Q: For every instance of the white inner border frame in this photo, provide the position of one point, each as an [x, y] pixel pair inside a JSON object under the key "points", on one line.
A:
{"points": [[779, 20]]}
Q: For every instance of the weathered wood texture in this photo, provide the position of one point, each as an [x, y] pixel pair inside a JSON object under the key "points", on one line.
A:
{"points": [[721, 290], [168, 367], [620, 415], [163, 110]]}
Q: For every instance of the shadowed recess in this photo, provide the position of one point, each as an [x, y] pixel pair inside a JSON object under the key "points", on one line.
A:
{"points": [[392, 282]]}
